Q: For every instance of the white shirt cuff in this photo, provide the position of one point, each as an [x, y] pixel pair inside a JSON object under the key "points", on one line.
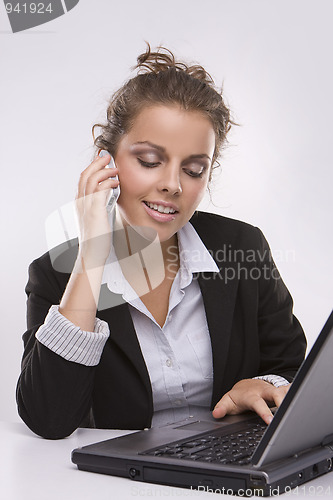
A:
{"points": [[275, 380], [68, 340]]}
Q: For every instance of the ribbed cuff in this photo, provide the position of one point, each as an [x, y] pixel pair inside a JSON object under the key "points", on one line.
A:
{"points": [[68, 340], [275, 380]]}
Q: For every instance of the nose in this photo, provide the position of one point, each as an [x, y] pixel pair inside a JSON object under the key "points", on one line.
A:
{"points": [[170, 180]]}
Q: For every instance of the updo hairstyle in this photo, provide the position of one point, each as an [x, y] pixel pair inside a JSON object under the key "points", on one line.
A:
{"points": [[163, 80]]}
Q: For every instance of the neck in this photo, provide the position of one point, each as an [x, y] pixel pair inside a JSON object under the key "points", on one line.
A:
{"points": [[127, 241], [170, 248]]}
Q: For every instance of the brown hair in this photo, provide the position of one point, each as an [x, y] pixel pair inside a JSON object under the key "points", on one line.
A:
{"points": [[163, 80]]}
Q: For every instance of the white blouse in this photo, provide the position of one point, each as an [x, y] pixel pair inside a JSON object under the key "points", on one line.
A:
{"points": [[178, 355]]}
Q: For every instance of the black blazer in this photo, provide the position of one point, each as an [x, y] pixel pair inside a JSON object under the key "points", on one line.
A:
{"points": [[249, 314]]}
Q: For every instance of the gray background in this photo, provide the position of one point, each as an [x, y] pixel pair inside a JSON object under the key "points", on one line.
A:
{"points": [[274, 57]]}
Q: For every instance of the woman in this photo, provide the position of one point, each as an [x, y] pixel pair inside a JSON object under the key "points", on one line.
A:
{"points": [[165, 311]]}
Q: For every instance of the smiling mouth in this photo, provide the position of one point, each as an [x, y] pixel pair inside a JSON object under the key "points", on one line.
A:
{"points": [[160, 208]]}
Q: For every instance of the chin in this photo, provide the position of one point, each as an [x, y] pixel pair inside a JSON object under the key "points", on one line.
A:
{"points": [[151, 234], [149, 231]]}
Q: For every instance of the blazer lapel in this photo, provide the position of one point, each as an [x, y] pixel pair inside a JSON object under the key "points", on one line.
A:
{"points": [[122, 331], [219, 299]]}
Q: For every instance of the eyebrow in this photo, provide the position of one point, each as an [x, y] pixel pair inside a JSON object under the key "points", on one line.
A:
{"points": [[160, 148], [203, 155], [151, 144]]}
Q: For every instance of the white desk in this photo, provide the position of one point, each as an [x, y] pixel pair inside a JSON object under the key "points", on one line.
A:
{"points": [[32, 468]]}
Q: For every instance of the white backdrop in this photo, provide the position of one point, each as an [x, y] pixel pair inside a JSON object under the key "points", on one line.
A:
{"points": [[274, 57]]}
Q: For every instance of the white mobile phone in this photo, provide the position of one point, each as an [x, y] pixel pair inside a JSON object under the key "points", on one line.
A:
{"points": [[115, 192]]}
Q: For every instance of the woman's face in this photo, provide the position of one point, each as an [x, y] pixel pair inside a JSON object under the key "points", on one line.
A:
{"points": [[164, 164]]}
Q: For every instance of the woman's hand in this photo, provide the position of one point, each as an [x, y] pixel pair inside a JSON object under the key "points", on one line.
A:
{"points": [[251, 394], [94, 187], [80, 299]]}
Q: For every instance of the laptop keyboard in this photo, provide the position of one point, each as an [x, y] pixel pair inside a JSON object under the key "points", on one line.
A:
{"points": [[214, 447]]}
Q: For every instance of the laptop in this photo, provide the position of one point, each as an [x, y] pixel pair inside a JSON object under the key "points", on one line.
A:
{"points": [[238, 453]]}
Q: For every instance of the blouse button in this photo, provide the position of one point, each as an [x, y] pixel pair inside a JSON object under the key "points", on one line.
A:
{"points": [[168, 362]]}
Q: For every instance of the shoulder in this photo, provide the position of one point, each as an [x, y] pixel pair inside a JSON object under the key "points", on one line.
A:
{"points": [[216, 230]]}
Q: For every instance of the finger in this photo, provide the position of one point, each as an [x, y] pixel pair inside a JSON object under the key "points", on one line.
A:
{"points": [[279, 394], [260, 406], [97, 164], [103, 190], [97, 179], [107, 184], [97, 201], [224, 407]]}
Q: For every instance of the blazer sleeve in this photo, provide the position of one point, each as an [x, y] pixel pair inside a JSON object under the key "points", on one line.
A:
{"points": [[53, 394], [281, 337]]}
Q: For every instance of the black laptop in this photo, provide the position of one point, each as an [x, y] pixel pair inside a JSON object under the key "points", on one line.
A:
{"points": [[237, 453]]}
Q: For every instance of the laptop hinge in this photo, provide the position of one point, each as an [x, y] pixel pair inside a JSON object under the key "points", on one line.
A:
{"points": [[328, 441]]}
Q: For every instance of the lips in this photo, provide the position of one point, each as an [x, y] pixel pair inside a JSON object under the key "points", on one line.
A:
{"points": [[160, 211], [163, 209]]}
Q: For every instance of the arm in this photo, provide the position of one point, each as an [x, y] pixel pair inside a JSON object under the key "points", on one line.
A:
{"points": [[281, 341], [53, 393]]}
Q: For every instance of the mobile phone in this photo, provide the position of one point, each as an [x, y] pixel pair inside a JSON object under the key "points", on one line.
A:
{"points": [[115, 192]]}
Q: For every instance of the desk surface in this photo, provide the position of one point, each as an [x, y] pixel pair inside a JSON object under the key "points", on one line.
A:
{"points": [[32, 468]]}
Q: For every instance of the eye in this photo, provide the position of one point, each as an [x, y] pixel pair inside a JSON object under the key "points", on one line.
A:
{"points": [[191, 173], [148, 164], [196, 171]]}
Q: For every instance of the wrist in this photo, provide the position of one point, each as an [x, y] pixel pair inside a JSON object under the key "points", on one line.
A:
{"points": [[275, 380], [90, 259]]}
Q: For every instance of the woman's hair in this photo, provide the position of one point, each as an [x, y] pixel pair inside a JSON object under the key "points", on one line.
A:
{"points": [[163, 80]]}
